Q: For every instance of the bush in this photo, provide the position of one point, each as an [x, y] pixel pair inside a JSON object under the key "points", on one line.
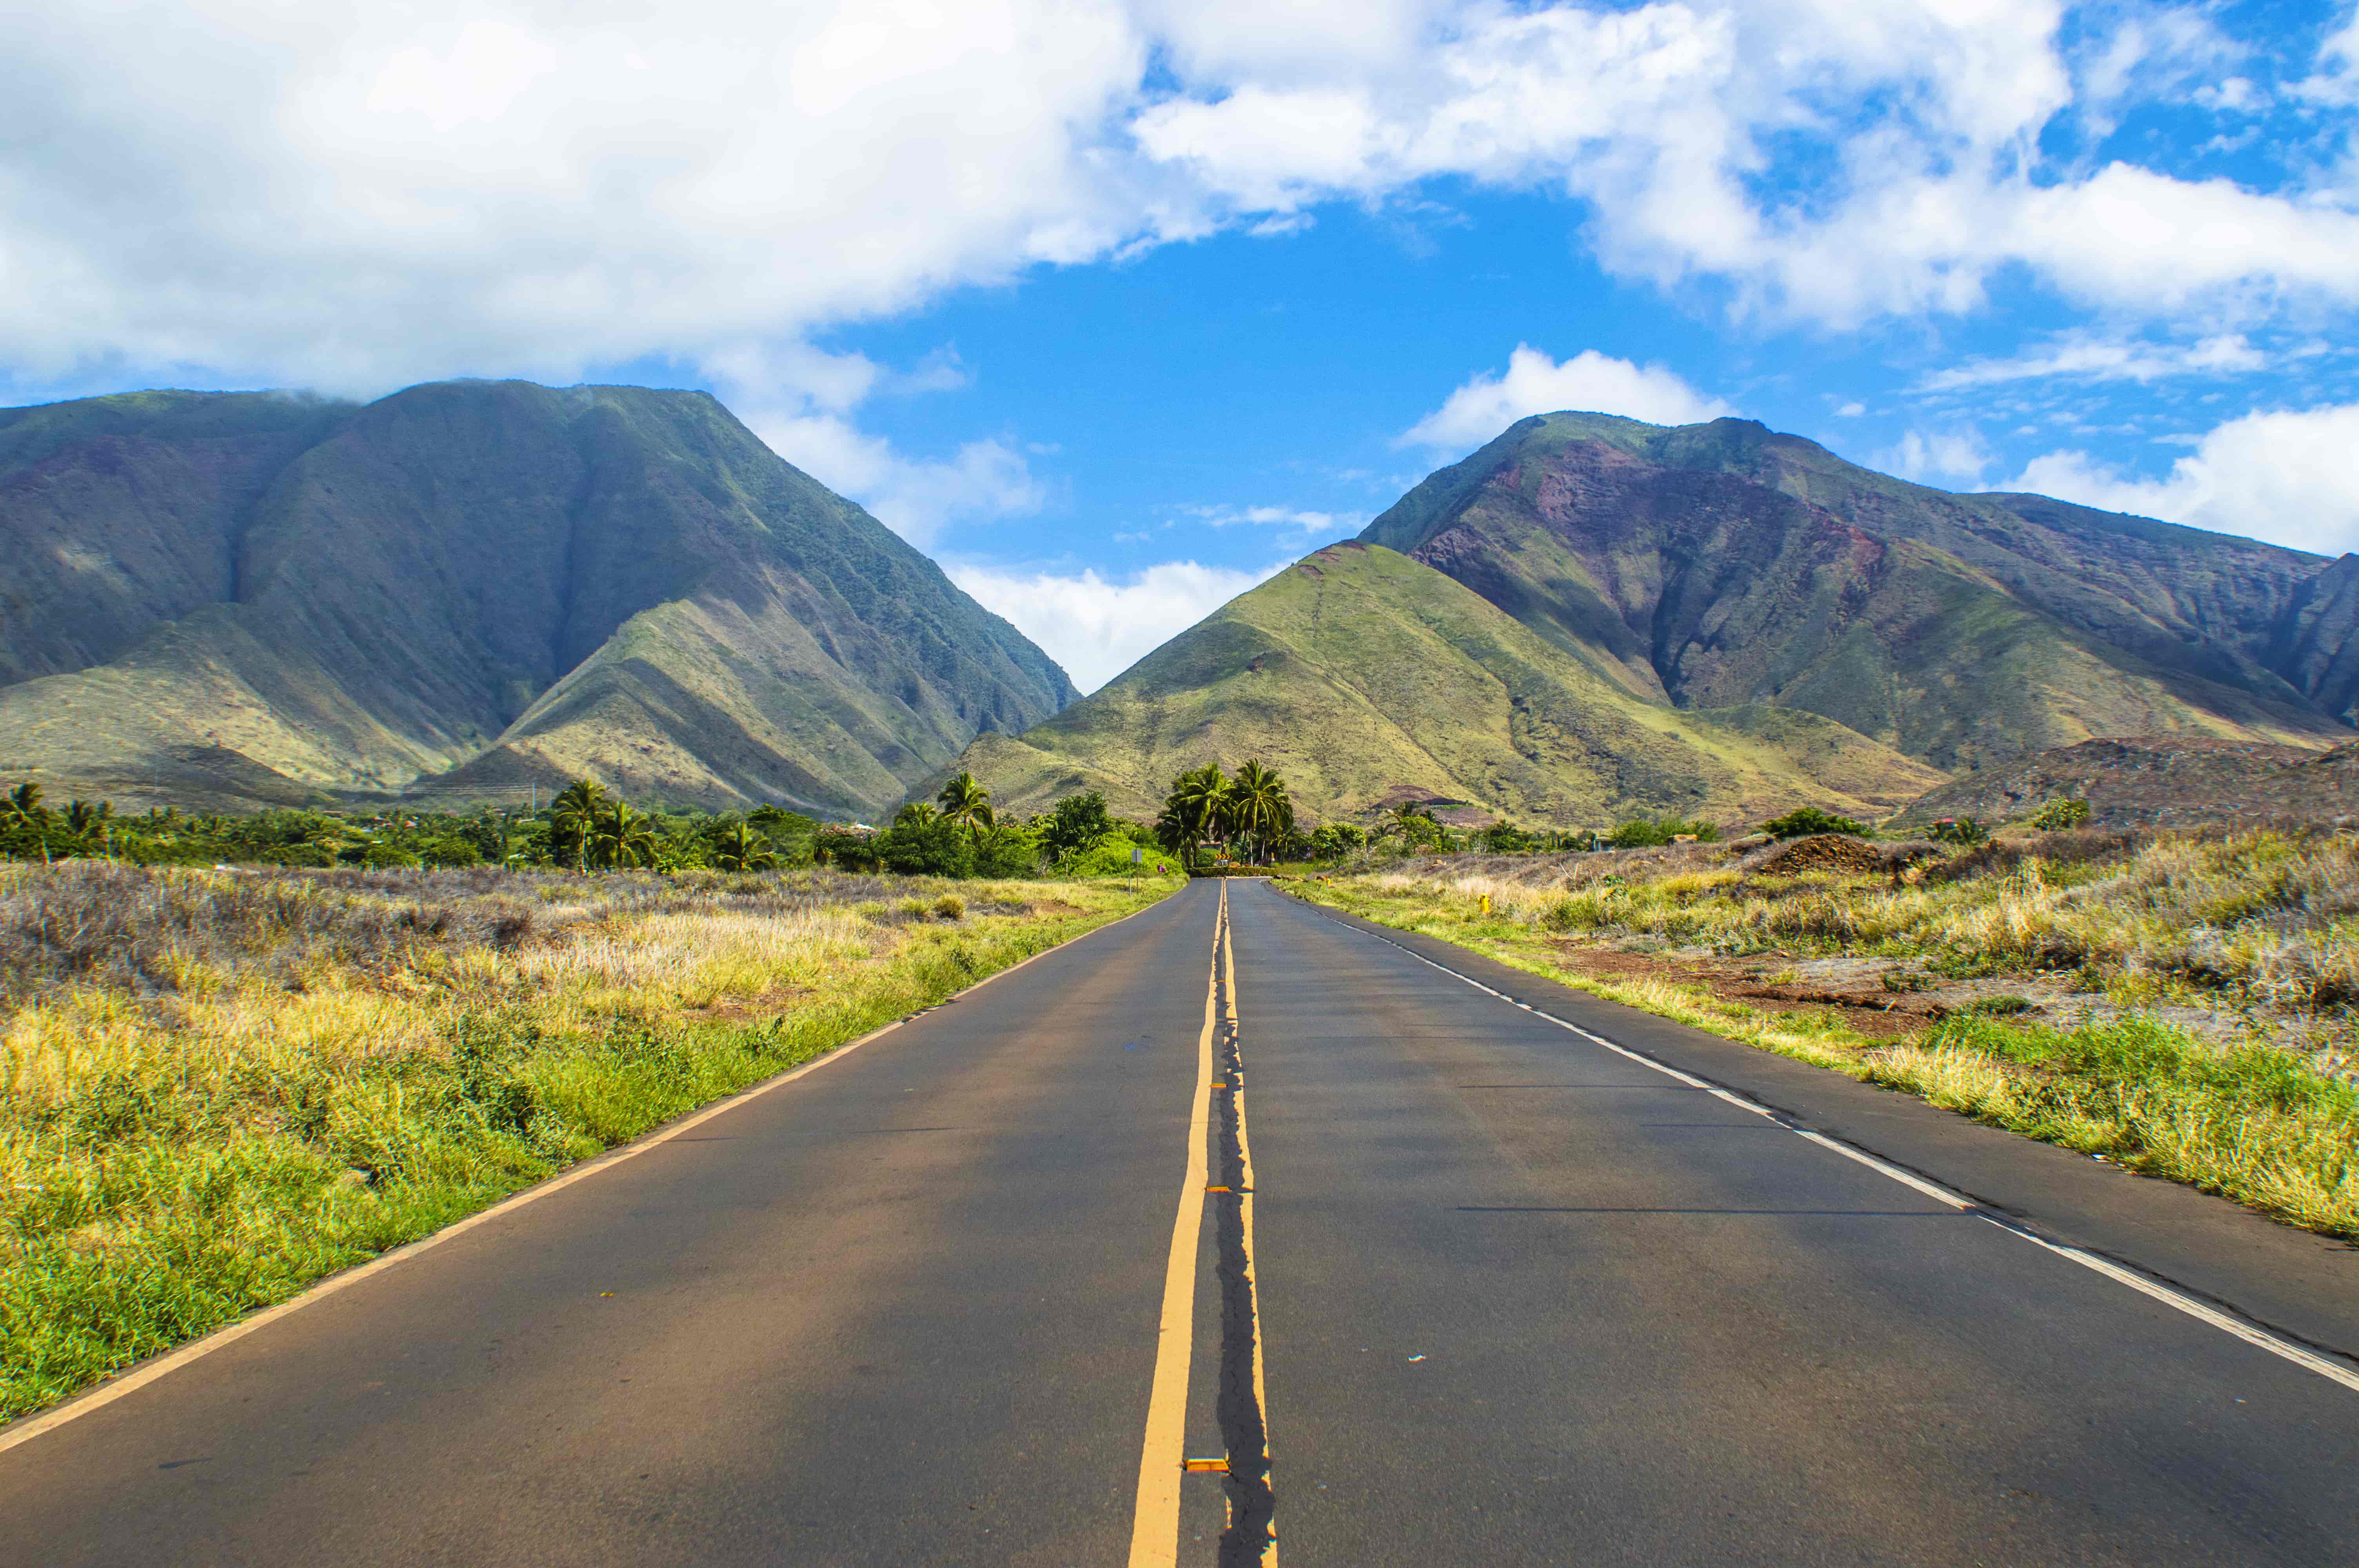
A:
{"points": [[1076, 822], [451, 854], [1504, 838], [1646, 833], [934, 848], [1111, 859], [846, 850], [1006, 852], [949, 906], [1337, 839], [2058, 815], [1808, 820], [1959, 830]]}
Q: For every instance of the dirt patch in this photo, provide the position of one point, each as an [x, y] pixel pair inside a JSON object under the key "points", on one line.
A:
{"points": [[1838, 853], [740, 1010], [1875, 997]]}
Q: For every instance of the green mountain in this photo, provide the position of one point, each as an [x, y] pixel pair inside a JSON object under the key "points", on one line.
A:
{"points": [[1363, 674], [1593, 616], [1721, 564], [468, 586]]}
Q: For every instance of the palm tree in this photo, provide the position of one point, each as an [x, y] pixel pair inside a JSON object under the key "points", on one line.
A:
{"points": [[575, 818], [1258, 806], [88, 823], [965, 800], [1408, 820], [23, 808], [916, 813], [623, 838], [1196, 809], [740, 849]]}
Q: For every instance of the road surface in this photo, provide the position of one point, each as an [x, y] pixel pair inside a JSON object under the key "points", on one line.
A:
{"points": [[1237, 1231]]}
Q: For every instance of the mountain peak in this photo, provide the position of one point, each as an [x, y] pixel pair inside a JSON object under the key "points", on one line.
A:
{"points": [[519, 582]]}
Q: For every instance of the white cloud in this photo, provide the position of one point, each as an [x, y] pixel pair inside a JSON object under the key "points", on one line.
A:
{"points": [[1098, 628], [2286, 477], [2336, 78], [801, 400], [2098, 360], [1280, 517], [1850, 410], [918, 498], [1534, 383], [1955, 455], [353, 196]]}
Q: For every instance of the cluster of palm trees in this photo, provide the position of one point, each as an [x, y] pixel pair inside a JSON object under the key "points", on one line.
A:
{"points": [[83, 826], [598, 831], [1249, 811]]}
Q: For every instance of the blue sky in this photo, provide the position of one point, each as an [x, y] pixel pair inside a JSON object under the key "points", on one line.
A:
{"points": [[1113, 307]]}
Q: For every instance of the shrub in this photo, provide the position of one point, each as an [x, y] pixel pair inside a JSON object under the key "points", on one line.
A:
{"points": [[845, 849], [1337, 839], [949, 906], [1959, 830], [451, 854], [2059, 814], [1006, 851], [1645, 833], [1111, 859], [1806, 821], [928, 849], [1076, 822]]}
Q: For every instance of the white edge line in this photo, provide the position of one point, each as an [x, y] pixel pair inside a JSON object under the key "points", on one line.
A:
{"points": [[2195, 1307], [143, 1373]]}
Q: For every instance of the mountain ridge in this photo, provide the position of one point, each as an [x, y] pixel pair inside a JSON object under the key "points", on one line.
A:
{"points": [[377, 598], [1701, 582]]}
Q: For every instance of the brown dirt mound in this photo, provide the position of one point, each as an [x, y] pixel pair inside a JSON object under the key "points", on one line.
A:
{"points": [[1823, 853]]}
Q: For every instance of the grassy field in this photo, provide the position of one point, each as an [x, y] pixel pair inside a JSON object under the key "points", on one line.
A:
{"points": [[2181, 1004], [221, 1085]]}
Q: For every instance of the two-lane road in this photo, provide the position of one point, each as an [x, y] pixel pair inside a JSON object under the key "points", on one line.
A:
{"points": [[1514, 1296]]}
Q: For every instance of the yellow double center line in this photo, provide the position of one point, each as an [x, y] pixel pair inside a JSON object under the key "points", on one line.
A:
{"points": [[1163, 1461]]}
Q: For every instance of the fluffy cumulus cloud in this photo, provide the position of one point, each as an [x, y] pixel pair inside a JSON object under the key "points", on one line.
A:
{"points": [[356, 194], [803, 403], [2288, 477], [1098, 627], [1535, 383], [353, 196]]}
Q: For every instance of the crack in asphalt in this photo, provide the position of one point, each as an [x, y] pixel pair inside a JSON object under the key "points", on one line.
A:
{"points": [[1251, 1537]]}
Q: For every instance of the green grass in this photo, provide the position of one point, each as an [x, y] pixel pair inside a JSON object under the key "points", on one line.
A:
{"points": [[298, 1102], [2247, 1119]]}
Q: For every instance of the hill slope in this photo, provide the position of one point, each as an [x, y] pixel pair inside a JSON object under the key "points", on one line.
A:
{"points": [[244, 597], [2158, 780], [1359, 672], [1723, 564]]}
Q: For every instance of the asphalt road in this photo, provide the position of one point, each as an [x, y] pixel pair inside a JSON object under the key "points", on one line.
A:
{"points": [[1494, 1292]]}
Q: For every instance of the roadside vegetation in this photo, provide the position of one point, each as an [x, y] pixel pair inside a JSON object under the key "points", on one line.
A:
{"points": [[2180, 1004], [219, 1084], [583, 827]]}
